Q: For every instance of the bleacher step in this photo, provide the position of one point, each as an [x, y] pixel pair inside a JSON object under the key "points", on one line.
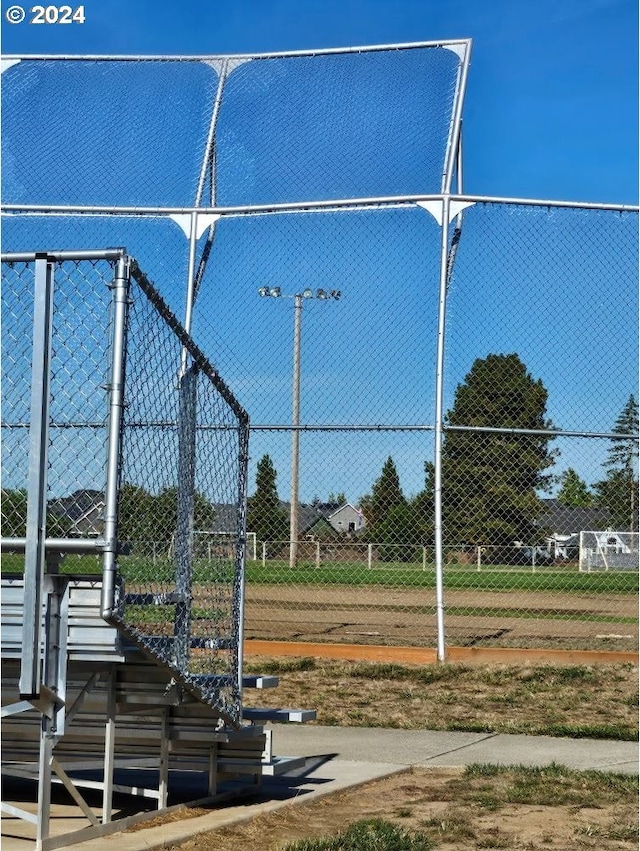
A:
{"points": [[298, 716], [277, 766]]}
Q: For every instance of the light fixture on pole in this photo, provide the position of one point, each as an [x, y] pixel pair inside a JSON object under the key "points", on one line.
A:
{"points": [[323, 295]]}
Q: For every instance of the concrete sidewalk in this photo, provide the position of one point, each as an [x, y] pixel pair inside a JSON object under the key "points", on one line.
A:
{"points": [[339, 758], [428, 747]]}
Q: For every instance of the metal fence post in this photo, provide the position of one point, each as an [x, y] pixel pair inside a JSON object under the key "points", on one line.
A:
{"points": [[34, 557], [185, 504], [241, 545], [295, 436], [120, 301], [438, 436]]}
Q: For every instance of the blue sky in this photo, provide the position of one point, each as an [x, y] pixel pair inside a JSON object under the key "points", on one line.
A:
{"points": [[550, 113]]}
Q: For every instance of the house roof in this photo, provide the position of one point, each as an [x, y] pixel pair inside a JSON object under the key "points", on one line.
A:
{"points": [[342, 507], [225, 517], [78, 504], [308, 515], [561, 519], [592, 536]]}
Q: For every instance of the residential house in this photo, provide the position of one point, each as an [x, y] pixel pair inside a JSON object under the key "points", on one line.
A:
{"points": [[562, 525], [330, 520]]}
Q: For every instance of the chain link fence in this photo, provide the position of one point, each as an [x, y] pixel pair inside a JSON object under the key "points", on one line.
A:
{"points": [[184, 455], [539, 433], [287, 127], [78, 412], [182, 463], [437, 413]]}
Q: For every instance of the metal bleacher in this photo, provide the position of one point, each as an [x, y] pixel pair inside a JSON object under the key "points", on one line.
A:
{"points": [[127, 680], [127, 726]]}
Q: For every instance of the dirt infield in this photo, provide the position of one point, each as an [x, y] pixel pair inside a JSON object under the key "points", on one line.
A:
{"points": [[372, 615]]}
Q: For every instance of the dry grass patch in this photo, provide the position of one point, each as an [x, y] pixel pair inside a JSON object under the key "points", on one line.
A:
{"points": [[599, 701], [452, 810]]}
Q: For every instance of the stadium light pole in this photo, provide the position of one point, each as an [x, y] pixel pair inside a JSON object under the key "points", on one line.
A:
{"points": [[322, 295]]}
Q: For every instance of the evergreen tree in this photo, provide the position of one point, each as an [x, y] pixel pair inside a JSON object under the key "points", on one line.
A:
{"points": [[619, 489], [14, 516], [622, 455], [385, 495], [398, 535], [265, 517], [423, 507], [384, 525], [574, 491], [143, 517], [14, 513], [336, 498], [490, 479], [403, 526]]}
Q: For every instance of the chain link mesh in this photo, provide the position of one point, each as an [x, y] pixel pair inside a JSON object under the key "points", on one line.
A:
{"points": [[539, 339], [17, 324], [546, 343], [305, 127], [289, 128], [182, 467], [78, 405], [161, 110], [184, 451]]}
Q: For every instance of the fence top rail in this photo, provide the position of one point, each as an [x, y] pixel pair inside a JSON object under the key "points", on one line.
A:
{"points": [[329, 205], [61, 256], [281, 54], [607, 435], [56, 545]]}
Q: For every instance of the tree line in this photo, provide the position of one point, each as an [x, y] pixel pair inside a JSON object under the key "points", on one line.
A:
{"points": [[142, 516], [491, 479]]}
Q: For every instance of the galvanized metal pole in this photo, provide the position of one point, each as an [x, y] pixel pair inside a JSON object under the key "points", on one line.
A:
{"points": [[34, 557], [208, 160], [280, 54], [452, 152], [295, 434], [241, 547], [185, 513], [438, 434], [330, 205], [208, 164], [120, 300], [191, 275]]}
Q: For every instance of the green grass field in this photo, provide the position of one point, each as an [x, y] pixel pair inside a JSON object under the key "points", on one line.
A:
{"points": [[495, 578], [355, 574]]}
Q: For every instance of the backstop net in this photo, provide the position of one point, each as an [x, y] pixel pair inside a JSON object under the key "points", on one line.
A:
{"points": [[429, 439]]}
